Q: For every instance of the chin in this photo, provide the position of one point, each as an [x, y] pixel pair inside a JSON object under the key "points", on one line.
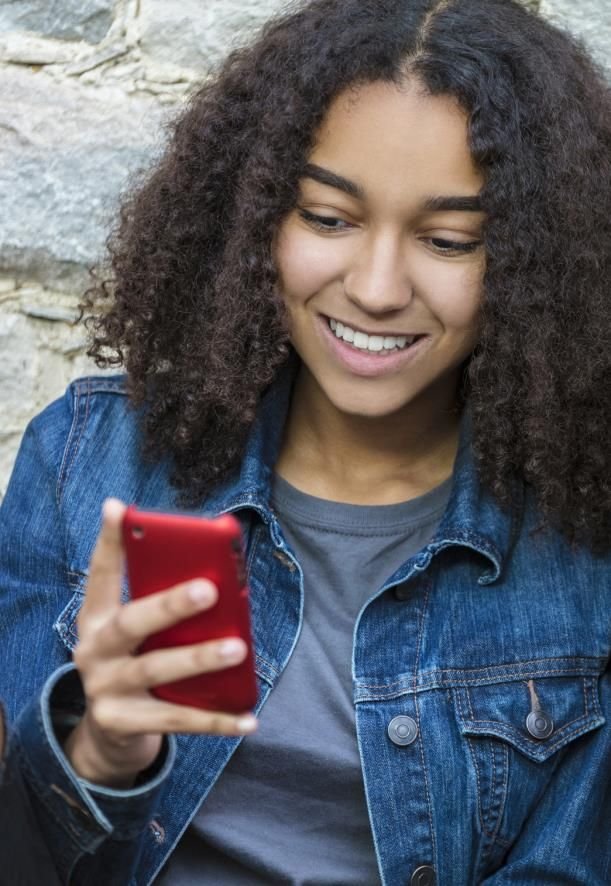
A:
{"points": [[368, 405]]}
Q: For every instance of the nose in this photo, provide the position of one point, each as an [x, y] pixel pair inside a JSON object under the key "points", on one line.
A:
{"points": [[378, 280]]}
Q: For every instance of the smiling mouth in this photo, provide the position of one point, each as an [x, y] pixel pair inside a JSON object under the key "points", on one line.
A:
{"points": [[371, 344]]}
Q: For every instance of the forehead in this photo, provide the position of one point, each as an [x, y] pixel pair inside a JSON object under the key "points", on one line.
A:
{"points": [[398, 140]]}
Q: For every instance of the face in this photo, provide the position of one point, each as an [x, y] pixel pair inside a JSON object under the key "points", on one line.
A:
{"points": [[380, 262]]}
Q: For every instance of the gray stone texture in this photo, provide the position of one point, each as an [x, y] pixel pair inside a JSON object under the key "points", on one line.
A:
{"points": [[588, 19], [65, 19], [84, 88], [197, 34], [65, 153]]}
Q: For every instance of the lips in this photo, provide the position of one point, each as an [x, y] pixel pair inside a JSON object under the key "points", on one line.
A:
{"points": [[369, 361], [373, 342]]}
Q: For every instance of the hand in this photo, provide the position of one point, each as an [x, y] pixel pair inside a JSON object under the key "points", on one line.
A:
{"points": [[122, 729]]}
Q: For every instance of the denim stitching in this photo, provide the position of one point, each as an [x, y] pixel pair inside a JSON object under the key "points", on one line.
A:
{"points": [[574, 669], [471, 744], [510, 676], [268, 664], [459, 703], [417, 711], [565, 658], [502, 751], [64, 466], [256, 538], [76, 834], [73, 452], [85, 420], [564, 736], [254, 544], [585, 695]]}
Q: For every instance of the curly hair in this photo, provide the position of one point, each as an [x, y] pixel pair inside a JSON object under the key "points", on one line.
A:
{"points": [[189, 301]]}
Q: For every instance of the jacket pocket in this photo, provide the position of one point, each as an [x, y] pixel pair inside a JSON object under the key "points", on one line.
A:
{"points": [[537, 717], [65, 623], [514, 731]]}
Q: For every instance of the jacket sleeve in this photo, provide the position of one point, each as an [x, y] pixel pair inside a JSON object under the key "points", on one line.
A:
{"points": [[567, 839], [87, 834]]}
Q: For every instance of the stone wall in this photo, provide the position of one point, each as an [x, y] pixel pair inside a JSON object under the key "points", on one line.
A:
{"points": [[85, 88]]}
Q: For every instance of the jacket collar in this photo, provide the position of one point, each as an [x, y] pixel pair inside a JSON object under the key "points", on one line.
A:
{"points": [[473, 519]]}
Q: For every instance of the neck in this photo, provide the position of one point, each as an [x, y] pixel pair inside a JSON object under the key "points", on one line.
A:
{"points": [[363, 460]]}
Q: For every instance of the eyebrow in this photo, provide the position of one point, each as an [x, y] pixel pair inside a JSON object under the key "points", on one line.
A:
{"points": [[326, 177], [454, 204], [432, 204]]}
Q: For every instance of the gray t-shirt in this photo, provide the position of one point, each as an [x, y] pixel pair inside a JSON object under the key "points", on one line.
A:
{"points": [[290, 807]]}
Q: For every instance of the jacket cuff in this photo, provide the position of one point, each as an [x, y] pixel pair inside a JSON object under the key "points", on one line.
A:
{"points": [[87, 813]]}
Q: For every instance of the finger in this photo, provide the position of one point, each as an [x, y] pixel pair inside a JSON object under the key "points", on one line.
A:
{"points": [[167, 665], [107, 563], [149, 716], [132, 623]]}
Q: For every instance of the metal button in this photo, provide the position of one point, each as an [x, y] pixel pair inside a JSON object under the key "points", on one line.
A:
{"points": [[539, 724], [423, 876], [402, 730]]}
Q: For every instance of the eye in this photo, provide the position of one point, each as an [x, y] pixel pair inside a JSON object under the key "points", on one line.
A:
{"points": [[453, 247], [324, 222]]}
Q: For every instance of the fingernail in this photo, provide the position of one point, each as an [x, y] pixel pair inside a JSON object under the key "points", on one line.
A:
{"points": [[246, 724], [230, 649], [200, 592]]}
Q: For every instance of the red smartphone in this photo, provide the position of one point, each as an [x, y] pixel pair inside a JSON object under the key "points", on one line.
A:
{"points": [[164, 550]]}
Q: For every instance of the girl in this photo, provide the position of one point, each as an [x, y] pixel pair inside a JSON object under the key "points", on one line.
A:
{"points": [[362, 304]]}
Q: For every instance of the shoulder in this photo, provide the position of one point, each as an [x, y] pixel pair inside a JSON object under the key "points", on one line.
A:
{"points": [[90, 406], [89, 443], [82, 397]]}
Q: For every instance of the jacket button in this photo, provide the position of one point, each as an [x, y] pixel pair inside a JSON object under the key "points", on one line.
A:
{"points": [[423, 876], [402, 731], [539, 724]]}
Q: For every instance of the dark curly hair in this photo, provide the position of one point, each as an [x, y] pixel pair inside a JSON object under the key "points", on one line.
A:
{"points": [[190, 303]]}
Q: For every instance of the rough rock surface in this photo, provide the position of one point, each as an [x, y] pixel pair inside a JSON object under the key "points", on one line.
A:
{"points": [[66, 19], [199, 34], [64, 156], [588, 19], [84, 88]]}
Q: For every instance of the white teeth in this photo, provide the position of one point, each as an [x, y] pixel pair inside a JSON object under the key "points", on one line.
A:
{"points": [[374, 343]]}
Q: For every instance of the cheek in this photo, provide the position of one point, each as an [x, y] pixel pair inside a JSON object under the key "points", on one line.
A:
{"points": [[305, 264], [457, 297]]}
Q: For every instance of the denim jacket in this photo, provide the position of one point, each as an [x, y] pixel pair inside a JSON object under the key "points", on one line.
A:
{"points": [[491, 644]]}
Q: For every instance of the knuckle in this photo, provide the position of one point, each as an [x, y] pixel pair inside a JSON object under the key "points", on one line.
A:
{"points": [[199, 658], [122, 624], [174, 722], [95, 685], [143, 672], [171, 603], [216, 724], [104, 714], [84, 654]]}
